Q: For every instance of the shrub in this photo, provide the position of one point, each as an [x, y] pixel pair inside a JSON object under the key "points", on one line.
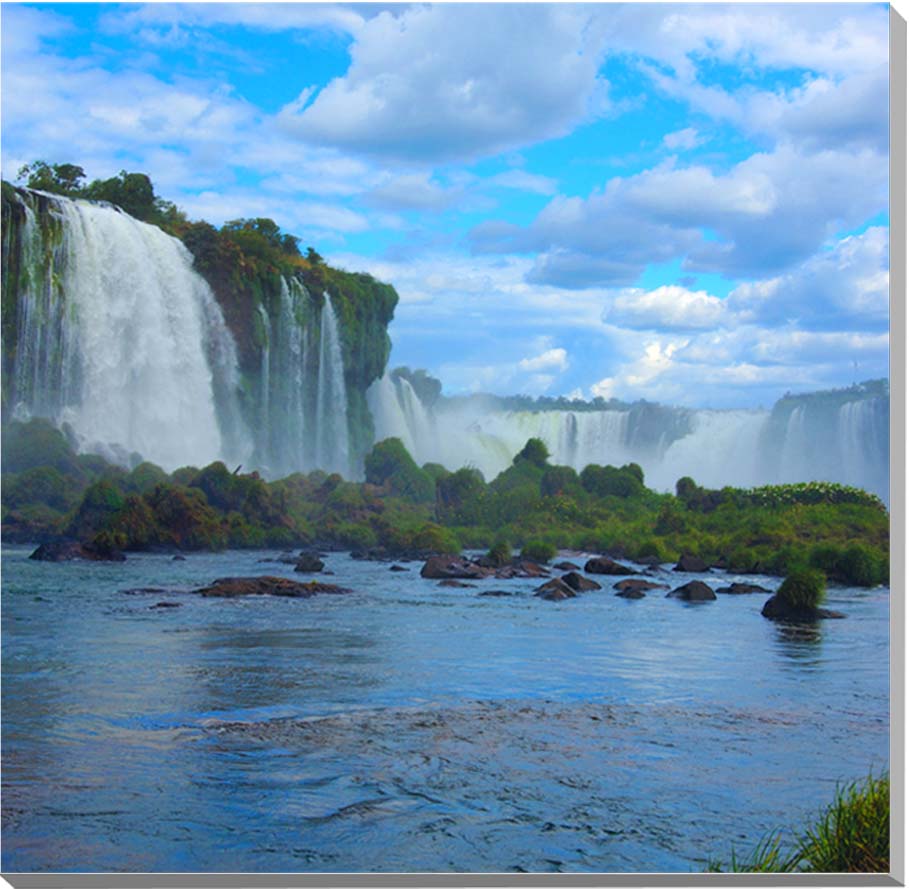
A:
{"points": [[500, 553], [389, 463], [538, 551], [857, 566], [435, 539], [535, 451], [803, 588]]}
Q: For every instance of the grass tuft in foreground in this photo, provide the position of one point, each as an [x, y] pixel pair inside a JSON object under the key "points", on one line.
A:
{"points": [[852, 836]]}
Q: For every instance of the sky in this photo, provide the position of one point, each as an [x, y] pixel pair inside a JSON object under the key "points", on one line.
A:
{"points": [[683, 203]]}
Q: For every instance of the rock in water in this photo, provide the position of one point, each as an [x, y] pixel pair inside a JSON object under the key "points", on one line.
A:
{"points": [[605, 565], [308, 563], [631, 594], [232, 587], [452, 568], [741, 589], [69, 550], [632, 585], [566, 566], [555, 590], [691, 564], [776, 609], [579, 583], [693, 591]]}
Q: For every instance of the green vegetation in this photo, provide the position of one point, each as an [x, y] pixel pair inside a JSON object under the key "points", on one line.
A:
{"points": [[803, 588], [851, 836], [49, 490]]}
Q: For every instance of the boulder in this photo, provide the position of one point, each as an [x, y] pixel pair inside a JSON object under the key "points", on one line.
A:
{"points": [[458, 584], [178, 559], [309, 563], [741, 589], [452, 568], [566, 566], [775, 609], [639, 586], [69, 550], [232, 587], [649, 561], [631, 594], [555, 590], [579, 583], [605, 565], [691, 564], [693, 591], [495, 593], [398, 568], [166, 605]]}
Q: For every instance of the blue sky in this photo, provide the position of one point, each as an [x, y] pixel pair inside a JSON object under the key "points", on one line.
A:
{"points": [[666, 201]]}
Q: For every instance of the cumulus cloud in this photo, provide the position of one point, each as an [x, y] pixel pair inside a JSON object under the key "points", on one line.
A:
{"points": [[765, 214], [551, 359], [669, 307], [845, 288], [436, 83]]}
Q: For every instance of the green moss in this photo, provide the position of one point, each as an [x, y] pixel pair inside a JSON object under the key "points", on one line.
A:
{"points": [[803, 588]]}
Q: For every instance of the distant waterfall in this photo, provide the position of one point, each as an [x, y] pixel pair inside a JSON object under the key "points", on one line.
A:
{"points": [[332, 435], [846, 442], [120, 338]]}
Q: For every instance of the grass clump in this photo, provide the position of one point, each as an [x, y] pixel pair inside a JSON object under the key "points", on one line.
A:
{"points": [[538, 551], [803, 588], [852, 836]]}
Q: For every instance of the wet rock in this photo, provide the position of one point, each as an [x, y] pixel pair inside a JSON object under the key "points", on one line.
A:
{"points": [[70, 550], [691, 564], [693, 591], [605, 565], [555, 590], [167, 605], [308, 563], [775, 609], [639, 586], [398, 568], [178, 559], [579, 583], [496, 593], [233, 587], [631, 594], [457, 584], [741, 589], [649, 561], [566, 566], [452, 568]]}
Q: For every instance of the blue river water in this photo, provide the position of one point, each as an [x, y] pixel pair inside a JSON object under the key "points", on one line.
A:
{"points": [[411, 727]]}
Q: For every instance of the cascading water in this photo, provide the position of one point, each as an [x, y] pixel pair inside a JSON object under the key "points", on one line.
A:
{"points": [[716, 448], [332, 435], [118, 337]]}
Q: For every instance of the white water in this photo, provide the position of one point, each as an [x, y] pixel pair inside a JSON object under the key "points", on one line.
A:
{"points": [[715, 448], [332, 436], [119, 336]]}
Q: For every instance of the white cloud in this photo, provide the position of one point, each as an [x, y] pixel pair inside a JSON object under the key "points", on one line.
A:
{"points": [[552, 359], [683, 140], [444, 82], [763, 215], [669, 307]]}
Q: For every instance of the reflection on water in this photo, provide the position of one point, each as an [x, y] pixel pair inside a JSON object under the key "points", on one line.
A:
{"points": [[801, 643], [411, 727]]}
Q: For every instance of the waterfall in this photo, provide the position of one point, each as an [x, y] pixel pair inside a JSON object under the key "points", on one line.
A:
{"points": [[120, 338], [846, 443], [332, 435]]}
